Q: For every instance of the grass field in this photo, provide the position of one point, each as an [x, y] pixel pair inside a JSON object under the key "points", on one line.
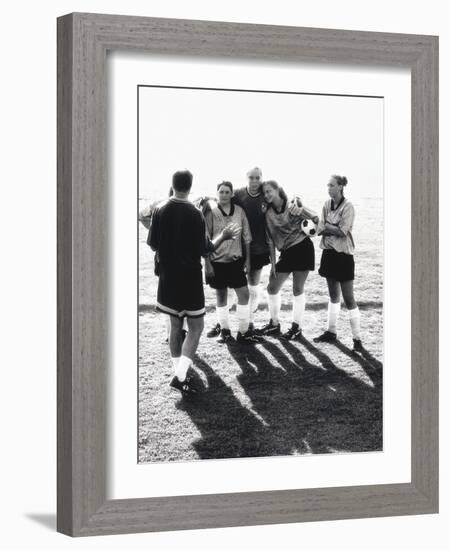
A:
{"points": [[278, 397]]}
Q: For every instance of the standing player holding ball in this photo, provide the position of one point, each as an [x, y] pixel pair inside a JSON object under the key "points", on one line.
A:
{"points": [[337, 264], [284, 232]]}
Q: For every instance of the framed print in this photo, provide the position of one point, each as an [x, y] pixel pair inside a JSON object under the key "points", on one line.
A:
{"points": [[247, 274]]}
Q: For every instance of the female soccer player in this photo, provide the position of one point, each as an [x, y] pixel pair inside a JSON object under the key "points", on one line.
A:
{"points": [[226, 268], [337, 263], [297, 257]]}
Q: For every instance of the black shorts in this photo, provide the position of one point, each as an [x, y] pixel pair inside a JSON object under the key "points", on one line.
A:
{"points": [[300, 257], [258, 261], [180, 292], [337, 265], [228, 275]]}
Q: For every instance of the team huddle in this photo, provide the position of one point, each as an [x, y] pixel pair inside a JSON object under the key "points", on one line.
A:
{"points": [[238, 233]]}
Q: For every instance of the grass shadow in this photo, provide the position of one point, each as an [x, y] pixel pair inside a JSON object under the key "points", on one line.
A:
{"points": [[228, 429], [306, 407]]}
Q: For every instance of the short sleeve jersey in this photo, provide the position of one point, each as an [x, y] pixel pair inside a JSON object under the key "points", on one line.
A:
{"points": [[341, 215], [283, 227], [178, 234], [254, 207], [216, 220]]}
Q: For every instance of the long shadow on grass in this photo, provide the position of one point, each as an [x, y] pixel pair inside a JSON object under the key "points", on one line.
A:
{"points": [[371, 366], [228, 428], [308, 407]]}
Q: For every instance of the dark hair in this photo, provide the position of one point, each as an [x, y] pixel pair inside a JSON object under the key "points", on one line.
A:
{"points": [[182, 181], [340, 180], [275, 185], [171, 191], [226, 183]]}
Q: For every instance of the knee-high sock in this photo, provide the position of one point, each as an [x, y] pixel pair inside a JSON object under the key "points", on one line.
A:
{"points": [[231, 300], [182, 367], [175, 361], [355, 318], [222, 316], [254, 299], [274, 307], [333, 313], [243, 315], [298, 309]]}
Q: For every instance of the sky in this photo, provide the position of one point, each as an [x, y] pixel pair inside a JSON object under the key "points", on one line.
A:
{"points": [[297, 139]]}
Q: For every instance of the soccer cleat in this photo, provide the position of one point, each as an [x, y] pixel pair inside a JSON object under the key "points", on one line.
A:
{"points": [[186, 387], [225, 336], [357, 345], [248, 337], [270, 329], [293, 333], [214, 332], [327, 336]]}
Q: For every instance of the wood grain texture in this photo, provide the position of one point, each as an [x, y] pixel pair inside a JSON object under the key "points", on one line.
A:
{"points": [[83, 203]]}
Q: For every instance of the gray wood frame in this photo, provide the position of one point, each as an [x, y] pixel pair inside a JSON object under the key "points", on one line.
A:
{"points": [[83, 40]]}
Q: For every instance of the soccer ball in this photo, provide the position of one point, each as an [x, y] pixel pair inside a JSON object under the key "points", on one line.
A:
{"points": [[309, 228]]}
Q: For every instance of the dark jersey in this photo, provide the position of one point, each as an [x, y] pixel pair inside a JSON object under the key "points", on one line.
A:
{"points": [[254, 208], [178, 235]]}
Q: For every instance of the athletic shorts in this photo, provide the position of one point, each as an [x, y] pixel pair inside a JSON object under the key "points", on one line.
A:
{"points": [[258, 261], [299, 257], [337, 265], [180, 292], [228, 275]]}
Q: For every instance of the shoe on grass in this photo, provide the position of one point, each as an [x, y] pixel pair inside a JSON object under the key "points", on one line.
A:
{"points": [[225, 336], [327, 336], [248, 337], [270, 329], [186, 387], [293, 333], [214, 332]]}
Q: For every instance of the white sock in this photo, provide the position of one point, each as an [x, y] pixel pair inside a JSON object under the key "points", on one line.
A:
{"points": [[182, 367], [253, 303], [175, 361], [274, 307], [333, 313], [243, 315], [355, 318], [298, 309], [185, 324], [231, 301], [222, 316]]}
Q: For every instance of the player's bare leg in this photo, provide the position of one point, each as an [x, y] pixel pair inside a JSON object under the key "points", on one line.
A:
{"points": [[254, 278], [175, 336]]}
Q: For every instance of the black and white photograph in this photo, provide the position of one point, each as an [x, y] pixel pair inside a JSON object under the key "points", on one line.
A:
{"points": [[260, 276]]}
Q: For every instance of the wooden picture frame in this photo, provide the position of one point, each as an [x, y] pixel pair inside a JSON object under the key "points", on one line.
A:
{"points": [[83, 40]]}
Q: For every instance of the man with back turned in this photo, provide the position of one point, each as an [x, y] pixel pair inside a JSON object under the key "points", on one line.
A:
{"points": [[178, 235]]}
